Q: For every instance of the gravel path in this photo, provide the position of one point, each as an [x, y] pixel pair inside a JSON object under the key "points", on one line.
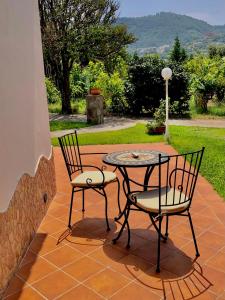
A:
{"points": [[117, 123]]}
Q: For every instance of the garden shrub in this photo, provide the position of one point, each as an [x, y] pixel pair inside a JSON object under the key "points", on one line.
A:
{"points": [[53, 95], [146, 87]]}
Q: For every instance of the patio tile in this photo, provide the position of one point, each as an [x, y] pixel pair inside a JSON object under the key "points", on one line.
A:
{"points": [[177, 264], [149, 251], [63, 256], [55, 284], [87, 255], [84, 244], [184, 230], [63, 199], [43, 244], [131, 266], [216, 278], [25, 294], [205, 252], [57, 212], [82, 293], [217, 262], [211, 240], [134, 291], [15, 285], [32, 272], [29, 257], [83, 268], [107, 282], [51, 227], [108, 254], [155, 281]]}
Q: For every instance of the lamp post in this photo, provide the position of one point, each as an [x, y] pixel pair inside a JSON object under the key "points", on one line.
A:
{"points": [[167, 74]]}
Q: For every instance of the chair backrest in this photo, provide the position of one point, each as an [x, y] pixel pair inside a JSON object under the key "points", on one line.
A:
{"points": [[179, 175], [71, 153]]}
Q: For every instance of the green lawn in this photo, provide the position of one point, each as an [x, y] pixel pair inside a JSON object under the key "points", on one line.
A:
{"points": [[183, 139], [214, 112], [62, 125], [132, 135], [213, 165], [78, 107]]}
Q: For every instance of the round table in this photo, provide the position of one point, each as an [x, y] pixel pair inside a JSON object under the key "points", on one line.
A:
{"points": [[134, 159]]}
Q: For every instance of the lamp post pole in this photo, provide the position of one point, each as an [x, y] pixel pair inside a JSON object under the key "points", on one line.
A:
{"points": [[167, 109], [167, 74]]}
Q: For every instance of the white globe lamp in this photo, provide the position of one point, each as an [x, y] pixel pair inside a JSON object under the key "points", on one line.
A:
{"points": [[167, 75]]}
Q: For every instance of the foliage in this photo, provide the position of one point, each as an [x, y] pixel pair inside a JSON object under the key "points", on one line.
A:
{"points": [[216, 51], [145, 87], [53, 94], [207, 80], [78, 82], [77, 31], [178, 54], [159, 118], [112, 85]]}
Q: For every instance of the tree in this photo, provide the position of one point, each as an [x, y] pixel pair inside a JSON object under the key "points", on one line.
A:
{"points": [[78, 31], [216, 51], [178, 54], [206, 80]]}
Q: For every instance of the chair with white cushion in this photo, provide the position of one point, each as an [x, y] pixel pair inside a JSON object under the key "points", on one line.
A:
{"points": [[84, 177], [172, 195]]}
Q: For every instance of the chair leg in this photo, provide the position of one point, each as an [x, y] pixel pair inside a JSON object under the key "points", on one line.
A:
{"points": [[83, 209], [167, 227], [118, 196], [128, 227], [122, 227], [71, 207], [193, 234], [106, 209], [159, 240]]}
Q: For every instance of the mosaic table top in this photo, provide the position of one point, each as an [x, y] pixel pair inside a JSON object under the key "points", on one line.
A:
{"points": [[134, 158]]}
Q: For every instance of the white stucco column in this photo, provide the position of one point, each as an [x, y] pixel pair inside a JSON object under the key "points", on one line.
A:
{"points": [[24, 127]]}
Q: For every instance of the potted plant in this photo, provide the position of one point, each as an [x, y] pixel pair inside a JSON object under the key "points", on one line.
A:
{"points": [[157, 126]]}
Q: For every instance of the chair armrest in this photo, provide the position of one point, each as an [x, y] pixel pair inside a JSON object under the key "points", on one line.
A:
{"points": [[174, 171], [94, 153]]}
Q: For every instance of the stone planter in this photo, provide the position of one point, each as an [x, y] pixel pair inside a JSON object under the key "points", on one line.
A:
{"points": [[95, 110]]}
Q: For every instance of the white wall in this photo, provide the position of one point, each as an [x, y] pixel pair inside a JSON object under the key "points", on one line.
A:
{"points": [[24, 128]]}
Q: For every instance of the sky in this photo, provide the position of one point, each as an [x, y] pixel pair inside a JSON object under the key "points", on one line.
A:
{"points": [[211, 11]]}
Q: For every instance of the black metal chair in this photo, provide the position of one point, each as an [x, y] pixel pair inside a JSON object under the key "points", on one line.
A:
{"points": [[172, 195], [81, 180]]}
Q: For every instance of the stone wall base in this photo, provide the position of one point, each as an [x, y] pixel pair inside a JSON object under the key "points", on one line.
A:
{"points": [[19, 223]]}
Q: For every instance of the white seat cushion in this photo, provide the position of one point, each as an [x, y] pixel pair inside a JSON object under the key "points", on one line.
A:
{"points": [[94, 178], [149, 200]]}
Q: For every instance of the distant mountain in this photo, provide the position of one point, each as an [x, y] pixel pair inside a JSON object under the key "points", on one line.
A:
{"points": [[156, 33]]}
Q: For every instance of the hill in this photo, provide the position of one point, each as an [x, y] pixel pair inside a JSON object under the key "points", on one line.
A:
{"points": [[156, 33]]}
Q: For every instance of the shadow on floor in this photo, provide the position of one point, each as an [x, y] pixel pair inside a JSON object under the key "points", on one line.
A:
{"points": [[181, 277], [23, 272]]}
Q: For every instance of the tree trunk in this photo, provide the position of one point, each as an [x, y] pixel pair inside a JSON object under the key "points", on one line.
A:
{"points": [[65, 93], [201, 103]]}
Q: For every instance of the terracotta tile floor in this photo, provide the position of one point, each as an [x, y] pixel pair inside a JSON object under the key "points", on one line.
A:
{"points": [[85, 265]]}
